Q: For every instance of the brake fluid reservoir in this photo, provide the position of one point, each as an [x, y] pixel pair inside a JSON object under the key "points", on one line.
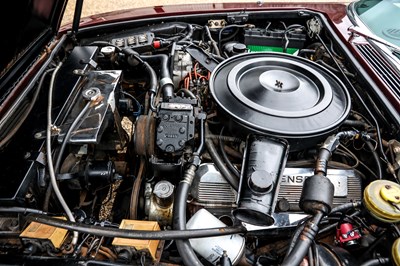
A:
{"points": [[382, 199], [396, 252], [212, 248]]}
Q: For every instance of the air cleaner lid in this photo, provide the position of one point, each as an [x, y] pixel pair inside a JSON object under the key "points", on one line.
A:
{"points": [[280, 94]]}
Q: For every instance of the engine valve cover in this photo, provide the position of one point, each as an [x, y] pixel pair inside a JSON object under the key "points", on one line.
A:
{"points": [[347, 185]]}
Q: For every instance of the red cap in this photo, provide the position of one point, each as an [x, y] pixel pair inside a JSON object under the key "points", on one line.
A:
{"points": [[156, 44]]}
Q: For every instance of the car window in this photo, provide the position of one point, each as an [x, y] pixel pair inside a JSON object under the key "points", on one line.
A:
{"points": [[381, 17]]}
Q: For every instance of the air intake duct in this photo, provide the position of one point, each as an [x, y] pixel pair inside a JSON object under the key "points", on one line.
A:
{"points": [[264, 161]]}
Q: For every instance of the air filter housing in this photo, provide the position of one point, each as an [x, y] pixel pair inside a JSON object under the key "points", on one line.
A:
{"points": [[280, 95]]}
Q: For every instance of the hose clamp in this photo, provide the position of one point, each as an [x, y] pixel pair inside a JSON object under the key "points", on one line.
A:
{"points": [[166, 81]]}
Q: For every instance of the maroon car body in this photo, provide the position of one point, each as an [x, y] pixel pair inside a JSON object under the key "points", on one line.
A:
{"points": [[198, 134]]}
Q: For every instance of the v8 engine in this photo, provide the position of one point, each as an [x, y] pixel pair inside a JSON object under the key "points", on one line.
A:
{"points": [[207, 142]]}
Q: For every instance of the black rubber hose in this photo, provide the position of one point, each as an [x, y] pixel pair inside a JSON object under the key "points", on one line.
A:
{"points": [[376, 158], [375, 262], [334, 225], [61, 152], [295, 236], [20, 210], [327, 148], [68, 134], [153, 81], [189, 257], [202, 137], [189, 34], [134, 234], [179, 221], [162, 59], [304, 241], [346, 206], [175, 26], [219, 163], [356, 123], [165, 74], [153, 84]]}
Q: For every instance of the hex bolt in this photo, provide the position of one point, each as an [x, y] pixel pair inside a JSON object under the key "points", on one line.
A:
{"points": [[182, 130], [160, 129], [388, 186], [159, 142], [178, 118], [169, 148], [165, 117]]}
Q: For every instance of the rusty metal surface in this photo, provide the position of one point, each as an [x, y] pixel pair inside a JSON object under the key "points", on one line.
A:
{"points": [[144, 135]]}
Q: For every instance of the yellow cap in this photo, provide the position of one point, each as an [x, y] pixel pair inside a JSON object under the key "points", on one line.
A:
{"points": [[396, 252], [382, 199]]}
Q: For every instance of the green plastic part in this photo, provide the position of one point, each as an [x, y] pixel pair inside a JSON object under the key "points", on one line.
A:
{"points": [[261, 48]]}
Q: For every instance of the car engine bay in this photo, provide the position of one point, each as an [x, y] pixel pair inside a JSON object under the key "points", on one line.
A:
{"points": [[227, 139]]}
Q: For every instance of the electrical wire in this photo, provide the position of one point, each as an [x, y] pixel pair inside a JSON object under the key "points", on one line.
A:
{"points": [[361, 100], [138, 105]]}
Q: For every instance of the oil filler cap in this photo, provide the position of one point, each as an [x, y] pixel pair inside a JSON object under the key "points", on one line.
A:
{"points": [[382, 199]]}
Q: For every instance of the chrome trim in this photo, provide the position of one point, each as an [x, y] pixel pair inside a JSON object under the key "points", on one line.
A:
{"points": [[361, 29]]}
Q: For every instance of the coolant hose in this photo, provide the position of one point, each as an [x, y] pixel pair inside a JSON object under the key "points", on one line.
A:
{"points": [[219, 163], [166, 82], [153, 84], [189, 257], [135, 59]]}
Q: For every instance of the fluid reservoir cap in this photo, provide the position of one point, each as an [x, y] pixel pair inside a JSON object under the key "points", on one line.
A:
{"points": [[239, 48], [381, 198], [163, 192], [260, 181], [390, 193], [163, 189], [107, 50], [396, 252]]}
